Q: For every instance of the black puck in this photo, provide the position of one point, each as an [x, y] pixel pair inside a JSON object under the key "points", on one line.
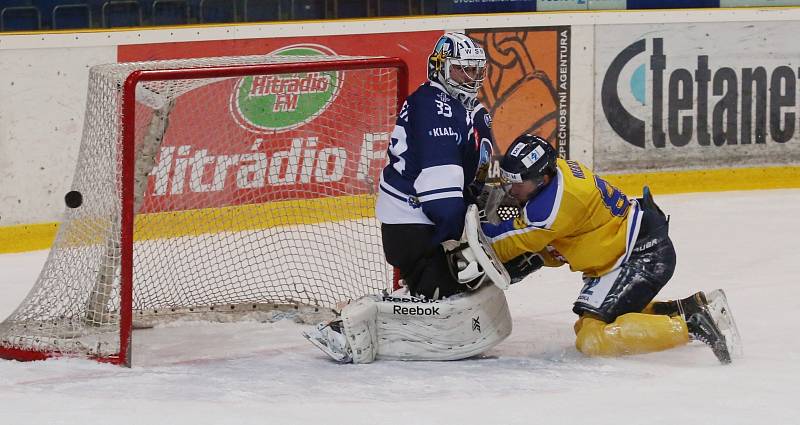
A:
{"points": [[73, 199]]}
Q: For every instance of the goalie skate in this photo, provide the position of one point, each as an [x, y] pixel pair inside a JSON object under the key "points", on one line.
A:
{"points": [[721, 312], [328, 337]]}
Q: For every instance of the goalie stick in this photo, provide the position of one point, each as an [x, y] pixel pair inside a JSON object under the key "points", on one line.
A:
{"points": [[481, 249]]}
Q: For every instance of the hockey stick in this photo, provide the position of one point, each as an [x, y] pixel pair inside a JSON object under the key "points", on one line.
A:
{"points": [[482, 250]]}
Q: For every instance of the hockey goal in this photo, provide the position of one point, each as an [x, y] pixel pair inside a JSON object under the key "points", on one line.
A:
{"points": [[232, 188]]}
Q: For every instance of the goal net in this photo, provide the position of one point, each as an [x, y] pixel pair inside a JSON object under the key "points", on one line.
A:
{"points": [[231, 188]]}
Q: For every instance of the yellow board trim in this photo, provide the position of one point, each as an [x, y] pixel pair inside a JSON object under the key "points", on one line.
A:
{"points": [[31, 237], [27, 237], [253, 217], [711, 180]]}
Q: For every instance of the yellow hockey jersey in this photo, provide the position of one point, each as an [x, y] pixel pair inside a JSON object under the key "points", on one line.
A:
{"points": [[577, 219]]}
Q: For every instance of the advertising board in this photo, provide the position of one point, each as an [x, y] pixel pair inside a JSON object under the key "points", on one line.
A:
{"points": [[527, 87], [263, 138], [696, 96]]}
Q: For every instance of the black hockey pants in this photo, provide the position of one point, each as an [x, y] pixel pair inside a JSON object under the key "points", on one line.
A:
{"points": [[649, 267], [422, 264]]}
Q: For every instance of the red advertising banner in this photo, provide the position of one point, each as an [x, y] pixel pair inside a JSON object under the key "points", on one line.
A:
{"points": [[412, 47], [278, 137]]}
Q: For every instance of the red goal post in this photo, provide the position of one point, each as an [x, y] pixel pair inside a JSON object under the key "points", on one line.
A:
{"points": [[30, 334]]}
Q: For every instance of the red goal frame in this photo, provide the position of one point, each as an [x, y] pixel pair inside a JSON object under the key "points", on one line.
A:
{"points": [[123, 357]]}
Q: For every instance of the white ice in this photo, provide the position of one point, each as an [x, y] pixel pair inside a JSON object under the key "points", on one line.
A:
{"points": [[253, 373]]}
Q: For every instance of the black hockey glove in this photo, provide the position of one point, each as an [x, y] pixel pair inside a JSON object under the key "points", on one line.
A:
{"points": [[473, 194], [521, 266]]}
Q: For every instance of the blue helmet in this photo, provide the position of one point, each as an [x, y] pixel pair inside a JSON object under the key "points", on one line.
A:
{"points": [[456, 52]]}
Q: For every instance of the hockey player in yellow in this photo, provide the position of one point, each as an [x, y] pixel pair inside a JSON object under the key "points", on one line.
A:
{"points": [[571, 216]]}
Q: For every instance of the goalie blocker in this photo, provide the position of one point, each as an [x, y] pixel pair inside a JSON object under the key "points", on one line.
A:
{"points": [[401, 327]]}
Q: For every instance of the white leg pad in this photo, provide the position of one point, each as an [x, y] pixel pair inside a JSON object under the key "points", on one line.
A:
{"points": [[360, 326], [400, 327]]}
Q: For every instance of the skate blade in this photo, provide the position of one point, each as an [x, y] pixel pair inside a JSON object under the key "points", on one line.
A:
{"points": [[722, 314], [319, 341]]}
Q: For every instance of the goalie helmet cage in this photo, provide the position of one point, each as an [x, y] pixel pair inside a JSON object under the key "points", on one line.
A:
{"points": [[231, 188]]}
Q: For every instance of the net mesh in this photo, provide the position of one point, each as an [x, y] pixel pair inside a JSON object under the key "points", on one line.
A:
{"points": [[251, 194]]}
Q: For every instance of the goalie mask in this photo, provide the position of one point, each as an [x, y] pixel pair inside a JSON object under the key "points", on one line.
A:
{"points": [[459, 65]]}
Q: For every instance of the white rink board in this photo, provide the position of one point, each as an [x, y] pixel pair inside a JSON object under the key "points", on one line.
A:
{"points": [[42, 103], [697, 63]]}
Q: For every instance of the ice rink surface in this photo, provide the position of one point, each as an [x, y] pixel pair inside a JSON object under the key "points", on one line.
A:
{"points": [[254, 373]]}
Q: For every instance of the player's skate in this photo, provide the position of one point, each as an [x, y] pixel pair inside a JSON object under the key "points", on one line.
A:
{"points": [[721, 312], [703, 326], [329, 337]]}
